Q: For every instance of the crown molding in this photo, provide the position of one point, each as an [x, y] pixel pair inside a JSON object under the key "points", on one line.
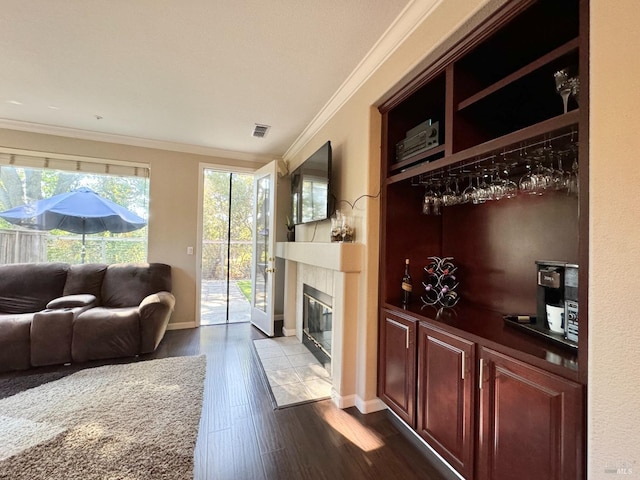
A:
{"points": [[133, 141], [404, 25]]}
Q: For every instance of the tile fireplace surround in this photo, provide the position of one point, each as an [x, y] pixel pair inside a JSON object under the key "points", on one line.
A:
{"points": [[334, 269]]}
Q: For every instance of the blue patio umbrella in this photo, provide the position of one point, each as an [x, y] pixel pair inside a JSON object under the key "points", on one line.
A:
{"points": [[79, 211]]}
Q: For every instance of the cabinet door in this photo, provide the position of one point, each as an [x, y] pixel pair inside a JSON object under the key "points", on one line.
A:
{"points": [[531, 422], [397, 369], [446, 396]]}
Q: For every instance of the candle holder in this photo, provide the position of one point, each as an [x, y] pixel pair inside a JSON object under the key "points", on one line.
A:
{"points": [[342, 229]]}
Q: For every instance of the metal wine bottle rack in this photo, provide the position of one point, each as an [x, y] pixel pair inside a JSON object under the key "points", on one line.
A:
{"points": [[440, 283]]}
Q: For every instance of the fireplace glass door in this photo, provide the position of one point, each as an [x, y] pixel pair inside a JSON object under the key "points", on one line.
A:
{"points": [[317, 323]]}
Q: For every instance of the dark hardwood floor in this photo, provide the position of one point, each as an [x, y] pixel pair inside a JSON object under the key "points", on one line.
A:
{"points": [[242, 436]]}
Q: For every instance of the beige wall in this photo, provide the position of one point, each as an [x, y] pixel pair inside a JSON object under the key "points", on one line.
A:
{"points": [[614, 335], [173, 201]]}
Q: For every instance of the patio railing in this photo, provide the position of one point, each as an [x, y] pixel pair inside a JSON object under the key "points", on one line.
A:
{"points": [[25, 246]]}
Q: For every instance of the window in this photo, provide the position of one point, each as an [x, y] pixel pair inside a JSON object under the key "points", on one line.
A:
{"points": [[28, 177]]}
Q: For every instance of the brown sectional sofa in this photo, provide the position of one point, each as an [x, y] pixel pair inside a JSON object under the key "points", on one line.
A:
{"points": [[53, 313]]}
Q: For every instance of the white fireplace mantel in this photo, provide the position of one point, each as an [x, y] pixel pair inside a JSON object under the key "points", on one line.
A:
{"points": [[332, 268], [340, 257]]}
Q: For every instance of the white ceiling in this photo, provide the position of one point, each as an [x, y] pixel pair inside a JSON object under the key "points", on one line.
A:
{"points": [[192, 72]]}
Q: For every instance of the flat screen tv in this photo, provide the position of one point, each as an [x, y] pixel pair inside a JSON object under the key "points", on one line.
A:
{"points": [[311, 187]]}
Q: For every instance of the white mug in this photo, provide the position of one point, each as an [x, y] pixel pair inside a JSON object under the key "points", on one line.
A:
{"points": [[555, 318]]}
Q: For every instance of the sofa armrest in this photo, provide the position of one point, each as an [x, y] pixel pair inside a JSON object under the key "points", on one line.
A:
{"points": [[73, 301], [155, 311]]}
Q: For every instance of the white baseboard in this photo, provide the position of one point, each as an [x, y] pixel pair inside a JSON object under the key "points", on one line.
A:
{"points": [[181, 325], [343, 402], [288, 332], [364, 406], [370, 406]]}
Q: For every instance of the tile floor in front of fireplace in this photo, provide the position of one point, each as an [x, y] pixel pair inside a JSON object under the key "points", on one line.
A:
{"points": [[294, 374]]}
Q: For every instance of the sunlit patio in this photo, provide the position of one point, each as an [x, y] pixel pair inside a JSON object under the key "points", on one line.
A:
{"points": [[213, 306]]}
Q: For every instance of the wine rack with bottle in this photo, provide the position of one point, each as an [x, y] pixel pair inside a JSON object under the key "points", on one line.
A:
{"points": [[491, 94]]}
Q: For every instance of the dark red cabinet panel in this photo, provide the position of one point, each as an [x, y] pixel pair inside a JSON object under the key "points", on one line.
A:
{"points": [[397, 365], [530, 422], [446, 395]]}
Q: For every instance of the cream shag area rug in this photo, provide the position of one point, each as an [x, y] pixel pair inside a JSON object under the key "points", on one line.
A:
{"points": [[126, 422]]}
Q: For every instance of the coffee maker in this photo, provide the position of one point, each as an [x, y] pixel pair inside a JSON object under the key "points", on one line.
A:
{"points": [[558, 292]]}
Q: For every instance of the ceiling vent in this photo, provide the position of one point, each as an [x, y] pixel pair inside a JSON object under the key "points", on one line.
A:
{"points": [[260, 131]]}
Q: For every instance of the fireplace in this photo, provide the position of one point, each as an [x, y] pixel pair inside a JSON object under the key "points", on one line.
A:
{"points": [[317, 323], [332, 268]]}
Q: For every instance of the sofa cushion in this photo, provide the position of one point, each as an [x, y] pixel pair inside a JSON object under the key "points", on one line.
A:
{"points": [[15, 345], [27, 288], [51, 332], [126, 285], [100, 333], [85, 278], [71, 301]]}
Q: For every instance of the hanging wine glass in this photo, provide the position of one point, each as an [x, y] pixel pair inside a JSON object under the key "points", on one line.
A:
{"points": [[482, 193], [573, 185], [449, 197], [468, 192], [426, 201], [509, 187], [457, 192], [496, 184], [545, 168], [527, 182], [436, 199], [560, 177]]}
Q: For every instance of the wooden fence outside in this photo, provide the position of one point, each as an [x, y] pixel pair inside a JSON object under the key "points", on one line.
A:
{"points": [[23, 246]]}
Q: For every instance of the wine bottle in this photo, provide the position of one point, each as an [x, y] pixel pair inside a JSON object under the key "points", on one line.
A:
{"points": [[406, 284]]}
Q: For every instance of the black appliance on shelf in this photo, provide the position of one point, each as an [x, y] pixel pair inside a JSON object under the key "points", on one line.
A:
{"points": [[419, 139], [558, 286]]}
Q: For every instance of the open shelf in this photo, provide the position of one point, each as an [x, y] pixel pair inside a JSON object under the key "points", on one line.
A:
{"points": [[433, 154], [541, 29], [533, 133], [552, 58]]}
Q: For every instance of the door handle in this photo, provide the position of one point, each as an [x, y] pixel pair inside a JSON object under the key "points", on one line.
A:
{"points": [[270, 270]]}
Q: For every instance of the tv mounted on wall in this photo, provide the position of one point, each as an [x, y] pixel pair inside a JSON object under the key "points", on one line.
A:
{"points": [[311, 187]]}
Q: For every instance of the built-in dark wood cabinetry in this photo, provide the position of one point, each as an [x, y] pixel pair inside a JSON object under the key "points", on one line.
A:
{"points": [[397, 375], [531, 422], [446, 395], [487, 396]]}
